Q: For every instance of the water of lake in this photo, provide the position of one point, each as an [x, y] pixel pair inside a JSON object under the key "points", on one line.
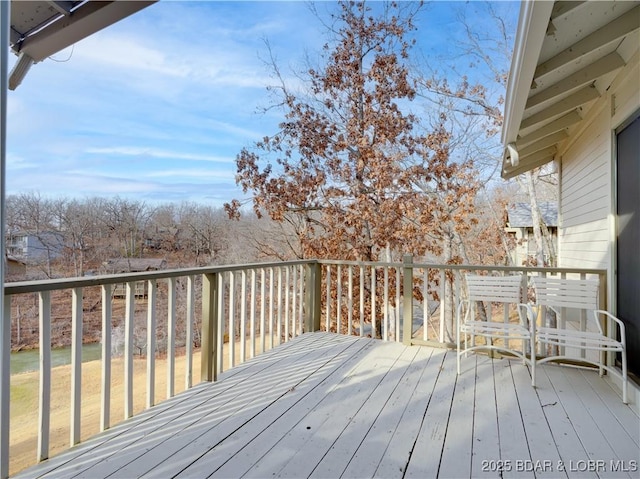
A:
{"points": [[24, 361]]}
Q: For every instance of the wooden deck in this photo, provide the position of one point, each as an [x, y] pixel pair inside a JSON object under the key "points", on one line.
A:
{"points": [[327, 406]]}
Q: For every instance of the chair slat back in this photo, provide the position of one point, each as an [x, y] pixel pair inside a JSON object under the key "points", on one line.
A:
{"points": [[497, 289], [566, 293]]}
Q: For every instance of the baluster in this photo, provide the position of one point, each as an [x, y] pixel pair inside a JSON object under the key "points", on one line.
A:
{"points": [[151, 342], [76, 365], [128, 350], [397, 311], [374, 329], [171, 336], [362, 279], [221, 323], [232, 318], [385, 305], [189, 339], [328, 318], [271, 306], [44, 407], [252, 315], [442, 305], [339, 300], [350, 304], [301, 299], [287, 285], [243, 316], [294, 302], [425, 305], [105, 409], [263, 300], [279, 325]]}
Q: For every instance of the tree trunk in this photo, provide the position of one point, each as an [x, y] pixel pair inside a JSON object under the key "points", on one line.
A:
{"points": [[550, 317], [535, 218]]}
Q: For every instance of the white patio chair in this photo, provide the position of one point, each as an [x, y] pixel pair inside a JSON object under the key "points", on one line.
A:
{"points": [[562, 295], [515, 337]]}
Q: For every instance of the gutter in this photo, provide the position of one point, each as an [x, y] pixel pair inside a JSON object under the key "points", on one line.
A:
{"points": [[532, 29]]}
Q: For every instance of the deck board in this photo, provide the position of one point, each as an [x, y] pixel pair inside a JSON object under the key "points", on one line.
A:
{"points": [[325, 405], [486, 439], [513, 439]]}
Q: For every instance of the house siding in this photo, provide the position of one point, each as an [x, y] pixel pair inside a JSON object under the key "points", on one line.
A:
{"points": [[585, 197], [586, 226]]}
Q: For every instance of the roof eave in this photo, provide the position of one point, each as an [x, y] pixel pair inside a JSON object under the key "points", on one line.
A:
{"points": [[531, 32]]}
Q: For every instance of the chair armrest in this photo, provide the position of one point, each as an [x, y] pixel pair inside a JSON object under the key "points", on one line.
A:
{"points": [[621, 325]]}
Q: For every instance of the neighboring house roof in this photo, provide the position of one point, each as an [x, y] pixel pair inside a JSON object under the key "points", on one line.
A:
{"points": [[566, 56], [132, 265], [40, 29], [519, 214]]}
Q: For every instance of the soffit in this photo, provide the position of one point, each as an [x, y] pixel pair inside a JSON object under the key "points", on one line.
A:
{"points": [[584, 47], [40, 29]]}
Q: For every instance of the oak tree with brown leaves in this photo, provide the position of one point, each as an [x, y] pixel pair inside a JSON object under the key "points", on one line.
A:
{"points": [[351, 167]]}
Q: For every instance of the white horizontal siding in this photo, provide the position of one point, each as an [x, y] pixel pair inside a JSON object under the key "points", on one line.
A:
{"points": [[585, 197], [585, 194], [586, 201]]}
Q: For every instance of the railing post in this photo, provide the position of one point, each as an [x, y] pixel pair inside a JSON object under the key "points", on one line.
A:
{"points": [[407, 299], [209, 370], [313, 297]]}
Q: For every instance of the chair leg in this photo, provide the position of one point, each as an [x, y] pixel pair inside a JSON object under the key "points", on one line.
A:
{"points": [[625, 399], [458, 349], [603, 360], [533, 363]]}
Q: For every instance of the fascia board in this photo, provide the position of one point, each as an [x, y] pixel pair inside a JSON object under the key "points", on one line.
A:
{"points": [[92, 17], [532, 28]]}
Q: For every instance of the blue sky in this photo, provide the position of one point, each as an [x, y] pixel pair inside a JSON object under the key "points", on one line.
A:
{"points": [[157, 106]]}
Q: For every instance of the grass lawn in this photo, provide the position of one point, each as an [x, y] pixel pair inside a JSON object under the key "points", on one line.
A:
{"points": [[24, 403]]}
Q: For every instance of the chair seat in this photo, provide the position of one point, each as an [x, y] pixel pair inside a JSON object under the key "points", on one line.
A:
{"points": [[495, 329], [581, 339]]}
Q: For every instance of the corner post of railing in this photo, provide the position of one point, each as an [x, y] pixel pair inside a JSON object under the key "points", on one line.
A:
{"points": [[313, 294], [210, 326], [407, 299]]}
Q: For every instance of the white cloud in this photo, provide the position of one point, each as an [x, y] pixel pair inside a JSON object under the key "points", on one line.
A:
{"points": [[157, 153], [201, 174]]}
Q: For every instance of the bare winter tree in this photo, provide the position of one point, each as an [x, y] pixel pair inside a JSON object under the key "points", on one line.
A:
{"points": [[471, 90], [126, 220]]}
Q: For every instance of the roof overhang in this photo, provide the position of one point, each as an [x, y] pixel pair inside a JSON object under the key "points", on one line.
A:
{"points": [[566, 55], [40, 29]]}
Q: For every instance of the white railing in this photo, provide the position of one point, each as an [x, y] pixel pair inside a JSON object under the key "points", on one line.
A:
{"points": [[368, 299], [245, 310]]}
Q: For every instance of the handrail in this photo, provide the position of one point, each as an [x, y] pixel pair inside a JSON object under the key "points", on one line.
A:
{"points": [[21, 287]]}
